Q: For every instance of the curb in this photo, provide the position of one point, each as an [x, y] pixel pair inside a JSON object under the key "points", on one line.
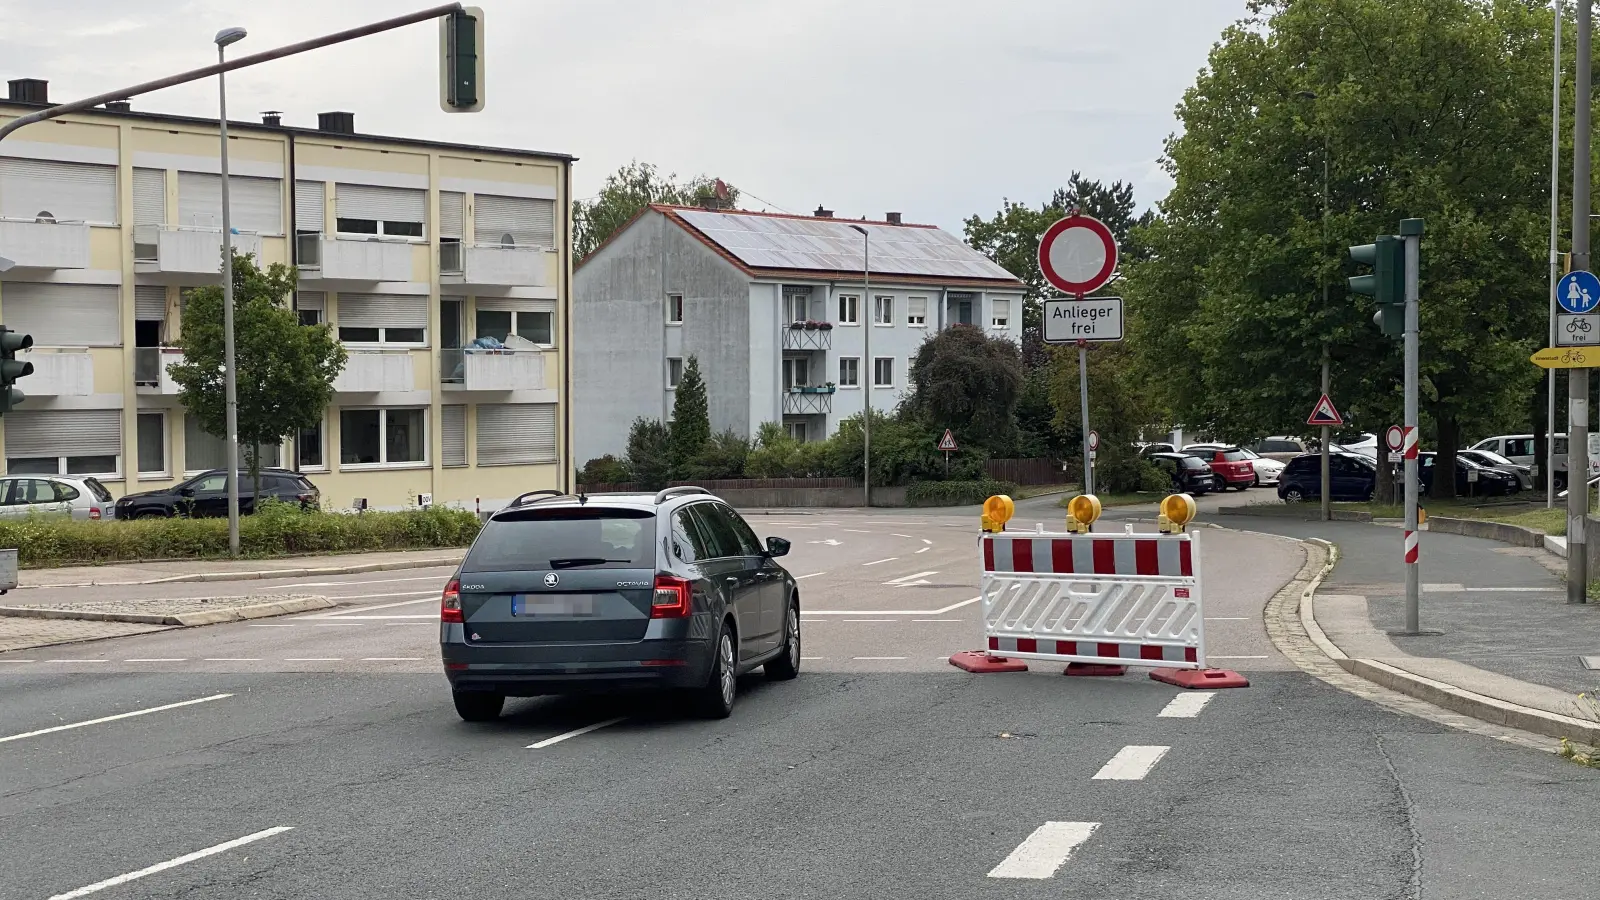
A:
{"points": [[1313, 514], [203, 617], [1515, 535], [265, 573]]}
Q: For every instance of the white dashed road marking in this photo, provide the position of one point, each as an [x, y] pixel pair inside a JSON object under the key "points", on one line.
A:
{"points": [[172, 863], [550, 741], [104, 719], [1132, 763], [1044, 851], [878, 561], [1187, 706]]}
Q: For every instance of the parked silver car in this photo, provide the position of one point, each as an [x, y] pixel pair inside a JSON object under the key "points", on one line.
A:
{"points": [[75, 496], [1491, 460]]}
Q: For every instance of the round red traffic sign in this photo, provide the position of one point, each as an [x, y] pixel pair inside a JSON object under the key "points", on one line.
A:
{"points": [[1077, 254], [1094, 440], [1395, 437]]}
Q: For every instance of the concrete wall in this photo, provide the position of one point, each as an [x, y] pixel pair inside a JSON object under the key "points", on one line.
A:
{"points": [[1514, 535]]}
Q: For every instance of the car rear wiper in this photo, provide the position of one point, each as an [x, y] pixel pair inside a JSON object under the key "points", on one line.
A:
{"points": [[570, 561]]}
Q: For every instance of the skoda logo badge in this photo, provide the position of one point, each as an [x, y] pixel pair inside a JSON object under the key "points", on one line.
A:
{"points": [[552, 579]]}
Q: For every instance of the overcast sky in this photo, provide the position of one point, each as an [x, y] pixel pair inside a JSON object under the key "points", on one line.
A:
{"points": [[934, 108]]}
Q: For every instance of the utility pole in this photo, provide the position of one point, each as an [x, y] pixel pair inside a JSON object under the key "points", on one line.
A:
{"points": [[1327, 433], [1549, 461], [1578, 379], [1411, 233]]}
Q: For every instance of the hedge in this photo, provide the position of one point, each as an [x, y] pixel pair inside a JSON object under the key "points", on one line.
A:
{"points": [[956, 493], [278, 529]]}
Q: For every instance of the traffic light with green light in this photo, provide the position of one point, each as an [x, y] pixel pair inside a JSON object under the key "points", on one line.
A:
{"points": [[12, 368], [461, 61], [1387, 283]]}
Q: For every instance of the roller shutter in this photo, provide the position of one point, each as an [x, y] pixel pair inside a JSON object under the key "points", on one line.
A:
{"points": [[515, 304], [150, 302], [310, 206], [69, 192], [310, 300], [528, 222], [256, 203], [63, 432], [383, 310], [450, 215], [512, 434], [389, 204], [64, 315], [453, 423], [149, 197]]}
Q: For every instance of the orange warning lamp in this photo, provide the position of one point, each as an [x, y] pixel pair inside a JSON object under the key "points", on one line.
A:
{"points": [[1082, 511], [1177, 511], [997, 511]]}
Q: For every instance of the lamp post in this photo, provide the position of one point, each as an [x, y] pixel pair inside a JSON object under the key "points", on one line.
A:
{"points": [[866, 354], [229, 376]]}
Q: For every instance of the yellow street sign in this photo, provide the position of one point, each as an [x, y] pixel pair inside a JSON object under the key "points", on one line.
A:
{"points": [[1566, 358]]}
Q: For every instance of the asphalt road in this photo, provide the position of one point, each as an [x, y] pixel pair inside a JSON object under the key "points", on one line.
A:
{"points": [[881, 772]]}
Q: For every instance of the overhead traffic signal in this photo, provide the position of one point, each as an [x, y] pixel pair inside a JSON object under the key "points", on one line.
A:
{"points": [[12, 368], [461, 61], [1387, 283]]}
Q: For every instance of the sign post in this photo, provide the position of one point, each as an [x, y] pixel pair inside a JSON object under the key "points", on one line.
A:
{"points": [[948, 445], [1078, 255], [1324, 415]]}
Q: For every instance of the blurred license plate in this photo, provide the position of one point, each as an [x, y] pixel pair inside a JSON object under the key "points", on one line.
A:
{"points": [[535, 605]]}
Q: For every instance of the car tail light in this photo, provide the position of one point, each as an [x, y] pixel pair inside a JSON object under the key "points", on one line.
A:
{"points": [[671, 598], [94, 512], [450, 605]]}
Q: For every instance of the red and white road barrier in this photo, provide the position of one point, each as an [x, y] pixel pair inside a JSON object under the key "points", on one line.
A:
{"points": [[1097, 602], [1411, 547]]}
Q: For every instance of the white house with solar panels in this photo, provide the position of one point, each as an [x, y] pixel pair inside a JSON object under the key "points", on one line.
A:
{"points": [[775, 310]]}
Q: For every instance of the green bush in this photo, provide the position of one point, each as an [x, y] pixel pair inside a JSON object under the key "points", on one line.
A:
{"points": [[648, 449], [956, 493], [604, 470], [277, 529], [723, 456]]}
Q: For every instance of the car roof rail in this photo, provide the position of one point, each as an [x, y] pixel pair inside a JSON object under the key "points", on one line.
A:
{"points": [[546, 493], [680, 490]]}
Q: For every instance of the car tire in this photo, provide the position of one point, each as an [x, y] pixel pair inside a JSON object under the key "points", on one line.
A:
{"points": [[478, 706], [1293, 495], [787, 663], [714, 700]]}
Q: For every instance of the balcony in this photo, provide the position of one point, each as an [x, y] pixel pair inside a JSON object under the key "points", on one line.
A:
{"points": [[808, 336], [491, 265], [808, 401], [371, 371], [491, 370], [151, 366], [185, 250], [327, 258], [32, 244], [69, 374]]}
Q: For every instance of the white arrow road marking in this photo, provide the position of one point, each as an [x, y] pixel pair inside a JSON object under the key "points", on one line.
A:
{"points": [[1132, 763], [1044, 851], [905, 578], [172, 863]]}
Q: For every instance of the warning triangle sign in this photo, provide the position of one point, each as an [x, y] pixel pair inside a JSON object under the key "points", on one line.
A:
{"points": [[948, 442], [1324, 413]]}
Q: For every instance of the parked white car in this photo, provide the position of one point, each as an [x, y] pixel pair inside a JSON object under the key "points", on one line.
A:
{"points": [[1519, 448], [1281, 448], [1267, 470], [66, 496]]}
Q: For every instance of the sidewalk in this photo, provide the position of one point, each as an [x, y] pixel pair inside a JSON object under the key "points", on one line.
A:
{"points": [[190, 570]]}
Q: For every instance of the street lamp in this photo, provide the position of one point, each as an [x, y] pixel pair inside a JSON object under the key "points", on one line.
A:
{"points": [[1326, 479], [230, 371], [866, 356]]}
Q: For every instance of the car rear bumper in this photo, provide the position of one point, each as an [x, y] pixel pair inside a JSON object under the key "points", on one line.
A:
{"points": [[530, 670]]}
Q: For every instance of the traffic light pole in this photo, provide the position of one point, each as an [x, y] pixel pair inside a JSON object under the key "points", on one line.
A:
{"points": [[1578, 379], [1411, 232]]}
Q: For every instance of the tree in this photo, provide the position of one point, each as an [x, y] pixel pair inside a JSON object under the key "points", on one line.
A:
{"points": [[967, 381], [1117, 412], [1435, 109], [648, 448], [632, 188], [691, 420], [284, 370]]}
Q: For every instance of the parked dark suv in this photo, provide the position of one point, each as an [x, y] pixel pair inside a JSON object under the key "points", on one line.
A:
{"points": [[206, 495], [1351, 477], [566, 594]]}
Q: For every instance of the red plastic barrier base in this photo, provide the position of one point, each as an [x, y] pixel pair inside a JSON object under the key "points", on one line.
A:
{"points": [[1094, 669], [1201, 678], [981, 662]]}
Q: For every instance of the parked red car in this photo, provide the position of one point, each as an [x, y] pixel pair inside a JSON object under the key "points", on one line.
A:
{"points": [[1234, 468]]}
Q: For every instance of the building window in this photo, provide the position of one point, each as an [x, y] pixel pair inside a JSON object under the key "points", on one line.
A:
{"points": [[412, 337], [379, 226], [882, 310], [849, 371], [796, 430], [64, 442], [674, 309], [1001, 316], [500, 324], [797, 307], [917, 311], [382, 437], [308, 447], [849, 309], [883, 371], [796, 372], [152, 443], [202, 451], [310, 316], [674, 372]]}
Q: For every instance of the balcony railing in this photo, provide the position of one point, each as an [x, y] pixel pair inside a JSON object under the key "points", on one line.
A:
{"points": [[452, 260], [186, 249], [808, 336], [492, 265], [802, 400], [31, 243], [368, 259], [308, 248], [376, 371], [150, 375], [65, 374], [492, 370]]}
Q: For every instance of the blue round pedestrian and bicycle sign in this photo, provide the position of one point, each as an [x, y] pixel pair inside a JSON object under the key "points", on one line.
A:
{"points": [[1578, 292]]}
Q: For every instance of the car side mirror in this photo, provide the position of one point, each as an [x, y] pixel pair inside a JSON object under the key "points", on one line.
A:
{"points": [[186, 492], [777, 546]]}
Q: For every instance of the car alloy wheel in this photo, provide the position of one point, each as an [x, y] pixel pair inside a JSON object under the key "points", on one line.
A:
{"points": [[787, 664], [792, 633], [729, 681], [1293, 495]]}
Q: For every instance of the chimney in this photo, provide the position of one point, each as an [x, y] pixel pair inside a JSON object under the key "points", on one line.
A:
{"points": [[119, 106], [894, 218], [823, 213], [272, 117], [30, 90], [337, 122]]}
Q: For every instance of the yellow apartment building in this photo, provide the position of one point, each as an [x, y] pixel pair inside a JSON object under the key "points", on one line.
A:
{"points": [[445, 269]]}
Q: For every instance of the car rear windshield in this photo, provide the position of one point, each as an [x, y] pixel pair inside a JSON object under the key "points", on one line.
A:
{"points": [[1193, 462], [563, 539], [1233, 456], [97, 489]]}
